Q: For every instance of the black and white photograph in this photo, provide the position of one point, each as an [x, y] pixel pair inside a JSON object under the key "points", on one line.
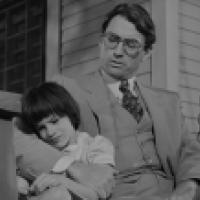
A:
{"points": [[99, 99]]}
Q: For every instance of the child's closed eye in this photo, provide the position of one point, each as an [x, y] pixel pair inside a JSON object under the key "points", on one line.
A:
{"points": [[54, 120]]}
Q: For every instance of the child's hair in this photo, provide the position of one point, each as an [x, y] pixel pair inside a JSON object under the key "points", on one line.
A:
{"points": [[47, 99]]}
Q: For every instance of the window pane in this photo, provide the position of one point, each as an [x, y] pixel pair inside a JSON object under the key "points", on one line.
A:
{"points": [[16, 20], [16, 48], [22, 43]]}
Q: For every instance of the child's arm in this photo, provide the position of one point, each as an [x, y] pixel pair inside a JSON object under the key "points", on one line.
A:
{"points": [[46, 181], [97, 168], [98, 177]]}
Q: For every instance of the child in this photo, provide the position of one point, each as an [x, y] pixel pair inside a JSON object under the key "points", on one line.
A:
{"points": [[51, 112]]}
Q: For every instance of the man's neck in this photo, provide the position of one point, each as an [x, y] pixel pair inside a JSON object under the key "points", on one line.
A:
{"points": [[109, 79]]}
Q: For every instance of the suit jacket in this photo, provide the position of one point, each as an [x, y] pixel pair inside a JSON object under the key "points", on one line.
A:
{"points": [[177, 150]]}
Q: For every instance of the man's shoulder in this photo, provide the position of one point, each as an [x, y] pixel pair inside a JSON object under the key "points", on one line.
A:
{"points": [[59, 78], [67, 82], [71, 85], [160, 90]]}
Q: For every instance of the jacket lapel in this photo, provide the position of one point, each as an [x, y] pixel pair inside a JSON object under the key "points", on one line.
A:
{"points": [[162, 106], [97, 91], [100, 100], [164, 110]]}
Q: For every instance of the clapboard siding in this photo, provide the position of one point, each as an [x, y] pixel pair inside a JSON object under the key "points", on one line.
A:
{"points": [[80, 34], [73, 7], [189, 15], [86, 12], [189, 95], [80, 56], [80, 43], [189, 9], [89, 13], [189, 23], [190, 51], [91, 27], [190, 80], [190, 38], [189, 66], [190, 110], [193, 2]]}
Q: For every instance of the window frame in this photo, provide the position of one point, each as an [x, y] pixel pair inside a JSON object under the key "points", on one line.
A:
{"points": [[10, 101]]}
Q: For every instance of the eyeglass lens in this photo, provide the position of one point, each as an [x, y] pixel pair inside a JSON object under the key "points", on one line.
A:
{"points": [[130, 45]]}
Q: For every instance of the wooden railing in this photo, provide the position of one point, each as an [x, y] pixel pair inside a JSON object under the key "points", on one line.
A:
{"points": [[9, 107]]}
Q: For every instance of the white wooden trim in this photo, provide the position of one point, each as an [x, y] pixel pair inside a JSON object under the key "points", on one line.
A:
{"points": [[53, 37], [165, 59], [10, 101]]}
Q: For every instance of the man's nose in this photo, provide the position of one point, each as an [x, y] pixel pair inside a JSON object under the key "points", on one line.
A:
{"points": [[119, 50]]}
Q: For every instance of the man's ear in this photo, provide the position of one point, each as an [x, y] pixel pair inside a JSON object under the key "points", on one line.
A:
{"points": [[101, 47], [100, 43], [147, 55]]}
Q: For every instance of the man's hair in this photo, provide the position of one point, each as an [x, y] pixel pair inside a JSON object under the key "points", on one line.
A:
{"points": [[138, 16], [47, 99]]}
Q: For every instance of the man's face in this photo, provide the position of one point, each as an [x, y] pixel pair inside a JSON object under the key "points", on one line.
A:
{"points": [[121, 60]]}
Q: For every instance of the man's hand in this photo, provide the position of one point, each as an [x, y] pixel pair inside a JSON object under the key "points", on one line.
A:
{"points": [[98, 177], [184, 191]]}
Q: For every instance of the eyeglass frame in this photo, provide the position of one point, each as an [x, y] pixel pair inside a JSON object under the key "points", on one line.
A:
{"points": [[124, 43]]}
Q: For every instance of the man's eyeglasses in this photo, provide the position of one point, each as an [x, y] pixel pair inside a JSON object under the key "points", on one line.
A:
{"points": [[130, 46]]}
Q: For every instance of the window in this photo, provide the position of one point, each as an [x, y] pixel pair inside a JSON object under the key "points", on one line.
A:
{"points": [[22, 44]]}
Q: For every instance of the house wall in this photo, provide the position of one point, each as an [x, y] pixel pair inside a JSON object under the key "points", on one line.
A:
{"points": [[189, 72], [80, 33]]}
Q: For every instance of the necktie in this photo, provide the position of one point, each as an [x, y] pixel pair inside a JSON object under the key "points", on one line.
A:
{"points": [[130, 102]]}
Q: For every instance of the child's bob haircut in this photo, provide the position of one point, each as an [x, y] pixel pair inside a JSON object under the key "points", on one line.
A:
{"points": [[47, 99]]}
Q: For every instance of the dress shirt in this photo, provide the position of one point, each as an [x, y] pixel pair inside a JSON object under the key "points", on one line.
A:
{"points": [[88, 149], [114, 87]]}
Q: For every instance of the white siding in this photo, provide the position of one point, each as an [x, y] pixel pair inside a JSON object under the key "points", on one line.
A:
{"points": [[189, 86], [80, 32]]}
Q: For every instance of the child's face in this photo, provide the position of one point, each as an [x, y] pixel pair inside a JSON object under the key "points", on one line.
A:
{"points": [[57, 131]]}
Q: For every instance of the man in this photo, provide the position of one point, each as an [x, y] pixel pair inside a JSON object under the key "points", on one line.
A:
{"points": [[155, 156]]}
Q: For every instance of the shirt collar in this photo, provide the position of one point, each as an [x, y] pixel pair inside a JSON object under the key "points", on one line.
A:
{"points": [[114, 87]]}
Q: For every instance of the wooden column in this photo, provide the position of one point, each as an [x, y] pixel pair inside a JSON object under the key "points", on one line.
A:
{"points": [[165, 59]]}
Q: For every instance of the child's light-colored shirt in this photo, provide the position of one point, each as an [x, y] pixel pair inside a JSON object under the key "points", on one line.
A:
{"points": [[98, 150]]}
